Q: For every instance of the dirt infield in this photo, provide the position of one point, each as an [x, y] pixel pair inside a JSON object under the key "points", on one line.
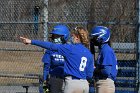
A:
{"points": [[20, 62]]}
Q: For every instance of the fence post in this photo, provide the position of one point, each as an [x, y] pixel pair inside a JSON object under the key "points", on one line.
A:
{"points": [[138, 45], [45, 20], [45, 30]]}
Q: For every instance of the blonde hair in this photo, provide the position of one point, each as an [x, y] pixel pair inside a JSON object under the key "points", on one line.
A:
{"points": [[83, 35]]}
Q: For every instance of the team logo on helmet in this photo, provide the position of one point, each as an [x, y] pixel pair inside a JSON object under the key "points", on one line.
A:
{"points": [[102, 33]]}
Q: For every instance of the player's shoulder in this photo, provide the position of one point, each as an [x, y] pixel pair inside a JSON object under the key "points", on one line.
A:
{"points": [[88, 52], [108, 51], [65, 47], [106, 48]]}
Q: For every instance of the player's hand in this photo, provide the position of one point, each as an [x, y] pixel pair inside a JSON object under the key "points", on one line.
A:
{"points": [[25, 40], [46, 87]]}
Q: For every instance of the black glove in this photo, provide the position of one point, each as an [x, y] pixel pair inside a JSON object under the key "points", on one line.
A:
{"points": [[46, 87]]}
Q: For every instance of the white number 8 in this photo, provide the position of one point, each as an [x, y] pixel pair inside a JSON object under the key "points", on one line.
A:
{"points": [[83, 63]]}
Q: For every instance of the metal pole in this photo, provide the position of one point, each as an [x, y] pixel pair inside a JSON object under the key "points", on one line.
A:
{"points": [[45, 20], [45, 28], [138, 45]]}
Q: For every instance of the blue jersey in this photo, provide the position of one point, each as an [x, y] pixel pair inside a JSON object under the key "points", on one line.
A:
{"points": [[54, 64], [107, 59], [79, 60]]}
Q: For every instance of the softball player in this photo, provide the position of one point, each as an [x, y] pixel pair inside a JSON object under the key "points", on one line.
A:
{"points": [[54, 61], [106, 66], [79, 64]]}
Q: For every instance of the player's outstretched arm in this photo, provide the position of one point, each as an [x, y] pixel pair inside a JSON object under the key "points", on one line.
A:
{"points": [[43, 44], [25, 40]]}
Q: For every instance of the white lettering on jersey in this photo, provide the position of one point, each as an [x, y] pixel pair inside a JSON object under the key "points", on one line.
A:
{"points": [[83, 64], [58, 57]]}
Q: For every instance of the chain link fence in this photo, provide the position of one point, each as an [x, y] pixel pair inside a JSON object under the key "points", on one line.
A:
{"points": [[21, 65]]}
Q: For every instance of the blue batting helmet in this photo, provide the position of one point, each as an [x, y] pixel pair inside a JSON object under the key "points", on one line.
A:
{"points": [[61, 30], [102, 33]]}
